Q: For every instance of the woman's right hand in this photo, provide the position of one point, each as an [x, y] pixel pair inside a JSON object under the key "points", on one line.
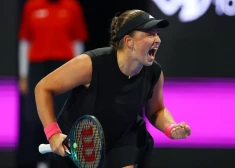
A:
{"points": [[56, 142]]}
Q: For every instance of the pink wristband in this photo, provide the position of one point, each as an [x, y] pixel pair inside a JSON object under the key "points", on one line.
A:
{"points": [[168, 128], [51, 130]]}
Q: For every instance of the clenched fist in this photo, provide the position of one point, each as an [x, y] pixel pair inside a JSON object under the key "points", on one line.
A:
{"points": [[180, 131]]}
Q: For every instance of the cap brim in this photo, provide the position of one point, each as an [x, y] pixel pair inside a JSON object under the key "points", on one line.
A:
{"points": [[154, 24]]}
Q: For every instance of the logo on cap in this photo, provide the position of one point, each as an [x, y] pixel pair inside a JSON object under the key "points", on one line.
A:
{"points": [[150, 17]]}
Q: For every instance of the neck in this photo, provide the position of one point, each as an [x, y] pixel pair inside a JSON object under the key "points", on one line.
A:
{"points": [[127, 64]]}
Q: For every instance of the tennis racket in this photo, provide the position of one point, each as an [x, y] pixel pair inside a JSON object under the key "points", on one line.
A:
{"points": [[86, 143]]}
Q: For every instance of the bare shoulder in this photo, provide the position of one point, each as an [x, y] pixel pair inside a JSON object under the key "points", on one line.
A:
{"points": [[82, 59], [77, 71], [79, 68], [78, 62]]}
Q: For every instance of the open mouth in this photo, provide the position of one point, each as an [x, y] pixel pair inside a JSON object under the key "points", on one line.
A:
{"points": [[152, 52]]}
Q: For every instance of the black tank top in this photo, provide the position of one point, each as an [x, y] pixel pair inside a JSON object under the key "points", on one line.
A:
{"points": [[112, 97]]}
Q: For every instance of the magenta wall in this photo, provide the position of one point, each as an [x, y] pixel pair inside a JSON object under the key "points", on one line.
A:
{"points": [[207, 105], [9, 113]]}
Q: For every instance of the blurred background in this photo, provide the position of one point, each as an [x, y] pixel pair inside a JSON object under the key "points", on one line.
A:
{"points": [[197, 55]]}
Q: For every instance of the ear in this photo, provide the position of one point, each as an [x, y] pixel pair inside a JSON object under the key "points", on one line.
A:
{"points": [[128, 40]]}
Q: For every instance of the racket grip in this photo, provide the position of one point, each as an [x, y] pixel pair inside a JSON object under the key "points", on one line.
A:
{"points": [[44, 148]]}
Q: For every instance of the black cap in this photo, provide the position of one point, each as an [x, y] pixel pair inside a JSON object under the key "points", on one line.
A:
{"points": [[141, 22]]}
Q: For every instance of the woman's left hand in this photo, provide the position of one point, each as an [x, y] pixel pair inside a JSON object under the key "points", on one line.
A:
{"points": [[180, 131]]}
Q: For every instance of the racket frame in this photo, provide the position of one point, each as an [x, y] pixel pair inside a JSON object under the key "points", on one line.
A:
{"points": [[69, 141]]}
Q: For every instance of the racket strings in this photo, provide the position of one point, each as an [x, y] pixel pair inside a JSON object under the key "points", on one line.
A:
{"points": [[87, 144]]}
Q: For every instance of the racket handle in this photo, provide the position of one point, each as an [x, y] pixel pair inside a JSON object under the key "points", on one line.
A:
{"points": [[44, 148]]}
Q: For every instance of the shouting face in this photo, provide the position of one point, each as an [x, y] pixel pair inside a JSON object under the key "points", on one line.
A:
{"points": [[145, 46]]}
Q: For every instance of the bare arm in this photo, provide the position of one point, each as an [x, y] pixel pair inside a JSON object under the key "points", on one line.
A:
{"points": [[75, 72], [155, 110]]}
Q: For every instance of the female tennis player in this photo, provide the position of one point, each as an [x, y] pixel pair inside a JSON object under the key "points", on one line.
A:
{"points": [[115, 84]]}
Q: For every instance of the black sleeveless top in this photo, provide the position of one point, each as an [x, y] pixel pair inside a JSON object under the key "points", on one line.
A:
{"points": [[112, 97]]}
